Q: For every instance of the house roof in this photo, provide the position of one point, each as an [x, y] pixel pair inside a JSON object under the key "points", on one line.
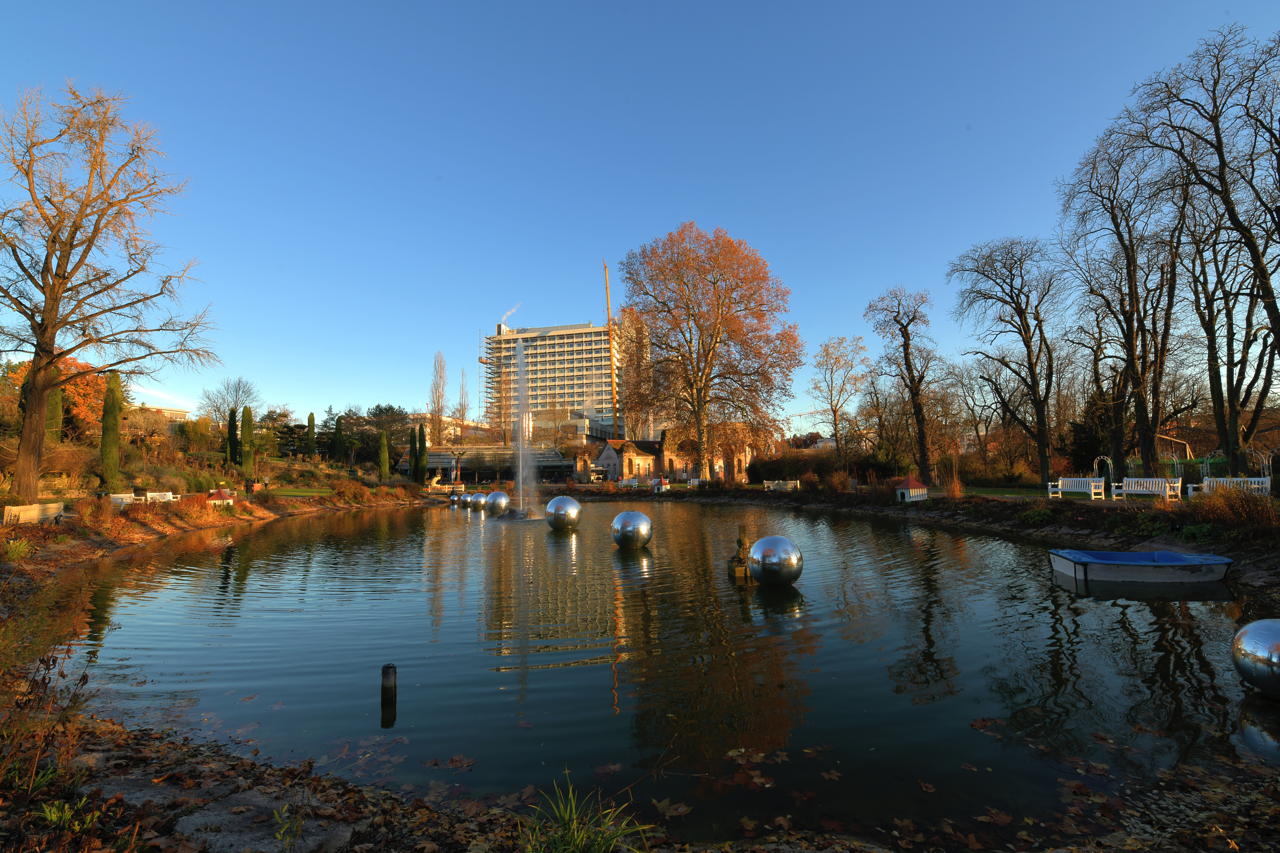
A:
{"points": [[907, 482]]}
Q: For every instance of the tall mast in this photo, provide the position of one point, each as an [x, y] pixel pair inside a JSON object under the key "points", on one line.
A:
{"points": [[613, 370]]}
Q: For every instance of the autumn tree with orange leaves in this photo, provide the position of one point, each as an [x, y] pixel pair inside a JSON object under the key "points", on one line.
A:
{"points": [[717, 349], [79, 274]]}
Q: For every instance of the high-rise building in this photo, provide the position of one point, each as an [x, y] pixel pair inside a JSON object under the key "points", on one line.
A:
{"points": [[566, 368]]}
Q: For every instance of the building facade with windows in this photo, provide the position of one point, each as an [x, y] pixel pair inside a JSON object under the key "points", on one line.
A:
{"points": [[567, 370]]}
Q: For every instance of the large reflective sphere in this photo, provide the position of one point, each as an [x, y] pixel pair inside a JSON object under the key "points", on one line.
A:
{"points": [[631, 529], [563, 513], [496, 504], [478, 499], [1256, 654], [775, 561]]}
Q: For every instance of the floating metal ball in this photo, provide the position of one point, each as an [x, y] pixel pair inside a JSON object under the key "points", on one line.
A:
{"points": [[631, 529], [496, 504], [775, 561], [1260, 727], [478, 500], [453, 499], [563, 513], [1256, 654]]}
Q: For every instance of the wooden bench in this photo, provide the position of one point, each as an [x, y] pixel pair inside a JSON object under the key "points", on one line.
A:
{"points": [[782, 485], [1169, 488], [1257, 485], [159, 497], [33, 513], [123, 499], [1094, 487]]}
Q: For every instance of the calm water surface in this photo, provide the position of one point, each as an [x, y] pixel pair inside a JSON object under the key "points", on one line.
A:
{"points": [[905, 659]]}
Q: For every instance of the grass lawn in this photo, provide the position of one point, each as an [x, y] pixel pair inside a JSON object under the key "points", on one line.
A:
{"points": [[300, 493], [1007, 491]]}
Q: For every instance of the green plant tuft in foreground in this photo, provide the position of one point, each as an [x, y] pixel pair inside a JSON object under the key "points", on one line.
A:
{"points": [[572, 822]]}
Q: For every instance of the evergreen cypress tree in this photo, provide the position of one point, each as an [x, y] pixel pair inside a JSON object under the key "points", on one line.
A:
{"points": [[337, 444], [384, 457], [413, 455], [233, 440], [311, 434], [246, 442], [53, 415], [422, 454], [109, 447]]}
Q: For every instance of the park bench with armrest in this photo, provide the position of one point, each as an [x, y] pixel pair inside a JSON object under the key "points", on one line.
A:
{"points": [[1094, 487], [1169, 488], [1257, 485]]}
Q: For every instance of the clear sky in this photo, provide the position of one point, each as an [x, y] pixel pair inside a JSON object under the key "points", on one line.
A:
{"points": [[370, 182]]}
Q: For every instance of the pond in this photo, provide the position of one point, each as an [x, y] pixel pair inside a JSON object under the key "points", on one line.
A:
{"points": [[911, 674]]}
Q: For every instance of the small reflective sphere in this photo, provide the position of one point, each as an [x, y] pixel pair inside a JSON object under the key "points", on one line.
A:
{"points": [[478, 499], [1256, 654], [453, 499], [775, 561], [496, 504], [464, 501], [631, 529], [563, 513]]}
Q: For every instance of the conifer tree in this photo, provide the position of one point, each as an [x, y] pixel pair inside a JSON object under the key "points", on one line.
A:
{"points": [[246, 442], [233, 440], [337, 444], [109, 447], [413, 455], [311, 435], [53, 415], [384, 457], [422, 454]]}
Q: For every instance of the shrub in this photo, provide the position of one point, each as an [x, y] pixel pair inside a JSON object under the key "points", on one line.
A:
{"points": [[1036, 517], [1233, 508], [954, 488], [837, 481], [809, 481], [351, 491]]}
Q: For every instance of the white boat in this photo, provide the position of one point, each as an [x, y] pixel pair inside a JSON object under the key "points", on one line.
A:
{"points": [[1138, 566]]}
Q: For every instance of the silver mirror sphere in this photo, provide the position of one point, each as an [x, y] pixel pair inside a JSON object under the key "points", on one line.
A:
{"points": [[496, 504], [563, 513], [478, 499], [775, 561], [453, 499], [631, 529], [1256, 654]]}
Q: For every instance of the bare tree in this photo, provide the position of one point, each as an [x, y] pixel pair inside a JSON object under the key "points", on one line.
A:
{"points": [[79, 274], [1010, 289], [463, 407], [229, 394], [719, 349], [1217, 117], [980, 407], [1240, 346], [438, 402], [899, 317], [840, 371]]}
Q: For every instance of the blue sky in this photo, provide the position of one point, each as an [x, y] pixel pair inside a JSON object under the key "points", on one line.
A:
{"points": [[368, 183]]}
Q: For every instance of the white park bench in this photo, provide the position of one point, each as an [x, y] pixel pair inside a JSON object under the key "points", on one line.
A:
{"points": [[123, 499], [1094, 487], [160, 497], [782, 485], [629, 483], [1169, 488], [1257, 485], [33, 513]]}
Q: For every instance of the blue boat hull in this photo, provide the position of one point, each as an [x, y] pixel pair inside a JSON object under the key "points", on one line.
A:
{"points": [[1163, 567]]}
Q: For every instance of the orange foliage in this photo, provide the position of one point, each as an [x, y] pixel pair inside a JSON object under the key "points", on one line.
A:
{"points": [[82, 397]]}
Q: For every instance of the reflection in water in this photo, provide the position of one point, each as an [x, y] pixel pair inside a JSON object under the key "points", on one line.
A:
{"points": [[1260, 727], [530, 651]]}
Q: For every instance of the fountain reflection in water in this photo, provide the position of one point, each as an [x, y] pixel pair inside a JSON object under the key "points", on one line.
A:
{"points": [[526, 465]]}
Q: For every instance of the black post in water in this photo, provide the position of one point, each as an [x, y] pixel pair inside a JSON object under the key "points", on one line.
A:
{"points": [[388, 695]]}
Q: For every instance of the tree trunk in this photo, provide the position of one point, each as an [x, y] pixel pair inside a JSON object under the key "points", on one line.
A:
{"points": [[26, 469], [922, 440]]}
